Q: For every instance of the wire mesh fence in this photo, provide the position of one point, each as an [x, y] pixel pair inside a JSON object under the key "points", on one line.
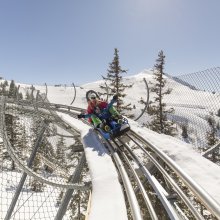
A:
{"points": [[196, 100], [194, 97], [44, 181]]}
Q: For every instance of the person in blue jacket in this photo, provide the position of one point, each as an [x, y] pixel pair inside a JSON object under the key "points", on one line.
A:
{"points": [[99, 112]]}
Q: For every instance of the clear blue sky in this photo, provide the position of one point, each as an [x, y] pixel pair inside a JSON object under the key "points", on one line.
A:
{"points": [[65, 41]]}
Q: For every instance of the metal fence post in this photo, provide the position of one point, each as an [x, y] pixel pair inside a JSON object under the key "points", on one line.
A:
{"points": [[67, 197]]}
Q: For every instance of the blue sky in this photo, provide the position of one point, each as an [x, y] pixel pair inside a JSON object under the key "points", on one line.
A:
{"points": [[66, 41]]}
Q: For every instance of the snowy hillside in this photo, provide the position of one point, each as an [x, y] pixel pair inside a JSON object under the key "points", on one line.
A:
{"points": [[187, 103], [184, 154]]}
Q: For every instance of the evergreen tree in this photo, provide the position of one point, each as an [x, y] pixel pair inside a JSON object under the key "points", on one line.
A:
{"points": [[35, 185], [184, 131], [79, 202], [211, 135], [37, 164], [160, 123], [11, 132], [20, 96], [218, 113], [5, 83], [3, 89], [28, 95], [114, 77], [2, 154], [17, 137], [60, 152], [12, 90], [22, 143]]}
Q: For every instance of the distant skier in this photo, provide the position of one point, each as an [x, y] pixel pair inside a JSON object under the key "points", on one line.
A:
{"points": [[98, 112]]}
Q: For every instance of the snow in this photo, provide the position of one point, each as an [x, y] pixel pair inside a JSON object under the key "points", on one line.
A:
{"points": [[107, 195]]}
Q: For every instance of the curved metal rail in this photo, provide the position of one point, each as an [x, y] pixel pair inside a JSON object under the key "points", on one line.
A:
{"points": [[26, 169], [204, 197], [153, 182], [74, 94], [146, 103], [186, 200]]}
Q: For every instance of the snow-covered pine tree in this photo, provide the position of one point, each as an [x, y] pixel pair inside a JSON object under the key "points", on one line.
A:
{"points": [[160, 123], [116, 86]]}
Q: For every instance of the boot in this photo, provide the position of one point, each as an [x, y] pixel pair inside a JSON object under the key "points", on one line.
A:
{"points": [[104, 126]]}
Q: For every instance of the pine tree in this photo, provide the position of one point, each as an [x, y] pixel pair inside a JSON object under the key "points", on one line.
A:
{"points": [[12, 90], [27, 95], [22, 143], [160, 123], [2, 154], [35, 185], [5, 83], [218, 113], [79, 202], [37, 164], [184, 131], [20, 95], [211, 135], [114, 77], [3, 90], [60, 152], [11, 132]]}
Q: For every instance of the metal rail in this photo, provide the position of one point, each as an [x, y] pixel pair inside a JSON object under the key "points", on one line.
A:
{"points": [[168, 207], [141, 187], [27, 170], [135, 209], [205, 198], [181, 194]]}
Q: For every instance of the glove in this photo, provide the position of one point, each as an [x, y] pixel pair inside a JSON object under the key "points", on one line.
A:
{"points": [[115, 97], [80, 116]]}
